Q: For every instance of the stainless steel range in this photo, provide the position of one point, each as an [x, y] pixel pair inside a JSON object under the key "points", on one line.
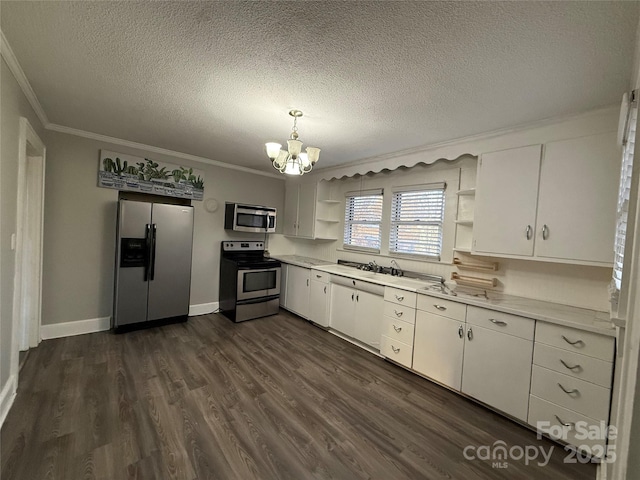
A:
{"points": [[249, 281]]}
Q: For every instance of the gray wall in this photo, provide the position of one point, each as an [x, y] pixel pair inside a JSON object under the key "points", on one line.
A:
{"points": [[13, 105], [79, 227]]}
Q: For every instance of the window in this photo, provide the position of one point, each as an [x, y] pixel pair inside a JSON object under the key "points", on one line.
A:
{"points": [[362, 217], [417, 213]]}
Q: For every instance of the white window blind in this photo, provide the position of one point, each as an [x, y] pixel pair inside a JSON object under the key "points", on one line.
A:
{"points": [[624, 193], [417, 214], [362, 217]]}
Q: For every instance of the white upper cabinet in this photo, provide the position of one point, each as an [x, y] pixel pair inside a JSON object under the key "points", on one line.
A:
{"points": [[555, 203], [506, 197], [299, 210], [577, 203]]}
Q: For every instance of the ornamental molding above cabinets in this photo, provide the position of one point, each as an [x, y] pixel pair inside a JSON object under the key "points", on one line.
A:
{"points": [[544, 131]]}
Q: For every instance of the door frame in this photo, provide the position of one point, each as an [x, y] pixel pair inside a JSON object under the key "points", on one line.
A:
{"points": [[27, 290]]}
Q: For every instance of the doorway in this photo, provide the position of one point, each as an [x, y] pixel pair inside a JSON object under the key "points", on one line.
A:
{"points": [[27, 293]]}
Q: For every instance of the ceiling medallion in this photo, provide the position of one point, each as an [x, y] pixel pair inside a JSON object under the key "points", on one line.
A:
{"points": [[292, 161]]}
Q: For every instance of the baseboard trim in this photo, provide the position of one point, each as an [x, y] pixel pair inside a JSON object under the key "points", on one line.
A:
{"points": [[80, 327], [203, 308], [7, 396]]}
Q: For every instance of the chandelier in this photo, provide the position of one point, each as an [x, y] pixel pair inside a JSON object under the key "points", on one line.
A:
{"points": [[292, 161]]}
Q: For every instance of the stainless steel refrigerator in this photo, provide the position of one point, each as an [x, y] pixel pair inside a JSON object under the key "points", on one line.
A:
{"points": [[153, 262]]}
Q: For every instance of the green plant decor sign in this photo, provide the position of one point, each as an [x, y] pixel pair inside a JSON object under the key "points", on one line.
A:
{"points": [[137, 174]]}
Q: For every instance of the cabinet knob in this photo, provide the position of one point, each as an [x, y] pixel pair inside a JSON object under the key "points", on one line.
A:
{"points": [[399, 298], [527, 232], [440, 307], [398, 314], [564, 424], [568, 367], [397, 329], [395, 350], [572, 392], [577, 343], [461, 331], [545, 232], [470, 334]]}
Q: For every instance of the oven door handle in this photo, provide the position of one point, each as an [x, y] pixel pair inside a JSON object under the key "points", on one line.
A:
{"points": [[257, 269]]}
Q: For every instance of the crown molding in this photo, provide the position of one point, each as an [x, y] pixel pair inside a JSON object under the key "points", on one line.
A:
{"points": [[161, 151], [21, 78]]}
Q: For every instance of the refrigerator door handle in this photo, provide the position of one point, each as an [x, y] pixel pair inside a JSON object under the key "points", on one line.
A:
{"points": [[147, 254], [152, 267]]}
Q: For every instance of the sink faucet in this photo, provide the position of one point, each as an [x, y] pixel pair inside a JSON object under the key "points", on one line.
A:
{"points": [[396, 271], [374, 267]]}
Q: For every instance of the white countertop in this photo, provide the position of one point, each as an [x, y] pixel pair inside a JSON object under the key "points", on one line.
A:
{"points": [[575, 317]]}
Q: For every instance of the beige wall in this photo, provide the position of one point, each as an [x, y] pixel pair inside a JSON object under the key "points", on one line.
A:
{"points": [[13, 105], [80, 223]]}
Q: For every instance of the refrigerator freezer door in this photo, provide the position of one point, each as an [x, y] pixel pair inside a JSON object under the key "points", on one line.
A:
{"points": [[169, 289], [130, 302]]}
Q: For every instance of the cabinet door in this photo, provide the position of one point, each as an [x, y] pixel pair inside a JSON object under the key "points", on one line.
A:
{"points": [[319, 303], [283, 285], [438, 347], [368, 318], [577, 202], [298, 286], [497, 370], [342, 309], [290, 219], [306, 210], [506, 196]]}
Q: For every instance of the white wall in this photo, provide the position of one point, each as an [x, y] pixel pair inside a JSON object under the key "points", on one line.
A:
{"points": [[575, 285], [13, 105], [80, 227]]}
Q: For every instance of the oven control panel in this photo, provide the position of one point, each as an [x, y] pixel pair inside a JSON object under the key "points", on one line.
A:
{"points": [[237, 246]]}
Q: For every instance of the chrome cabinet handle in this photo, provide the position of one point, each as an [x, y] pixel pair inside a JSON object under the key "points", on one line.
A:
{"points": [[353, 281], [575, 391], [575, 367], [395, 350], [307, 282], [325, 289], [470, 334], [397, 329], [461, 331], [399, 298], [500, 323], [564, 424], [527, 232], [545, 232], [440, 307], [357, 298], [318, 276], [577, 343], [398, 314], [352, 295]]}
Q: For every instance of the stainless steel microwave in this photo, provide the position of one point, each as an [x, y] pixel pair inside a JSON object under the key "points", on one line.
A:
{"points": [[249, 218]]}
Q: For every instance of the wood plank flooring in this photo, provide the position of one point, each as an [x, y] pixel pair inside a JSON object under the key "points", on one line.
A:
{"points": [[273, 398]]}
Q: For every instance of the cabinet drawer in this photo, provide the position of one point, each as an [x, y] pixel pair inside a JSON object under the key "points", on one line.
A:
{"points": [[400, 312], [543, 414], [398, 330], [501, 322], [573, 364], [574, 340], [319, 276], [446, 308], [397, 351], [401, 297], [582, 397]]}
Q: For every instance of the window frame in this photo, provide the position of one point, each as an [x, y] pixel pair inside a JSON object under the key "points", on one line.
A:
{"points": [[379, 192], [395, 223]]}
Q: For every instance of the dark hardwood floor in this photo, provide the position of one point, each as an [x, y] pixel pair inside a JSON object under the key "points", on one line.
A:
{"points": [[273, 398]]}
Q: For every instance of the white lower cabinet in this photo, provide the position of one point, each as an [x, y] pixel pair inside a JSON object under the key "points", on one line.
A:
{"points": [[438, 348], [320, 294], [497, 370], [357, 313], [298, 287]]}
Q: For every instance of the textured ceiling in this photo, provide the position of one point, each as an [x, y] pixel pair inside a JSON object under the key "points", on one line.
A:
{"points": [[216, 79]]}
